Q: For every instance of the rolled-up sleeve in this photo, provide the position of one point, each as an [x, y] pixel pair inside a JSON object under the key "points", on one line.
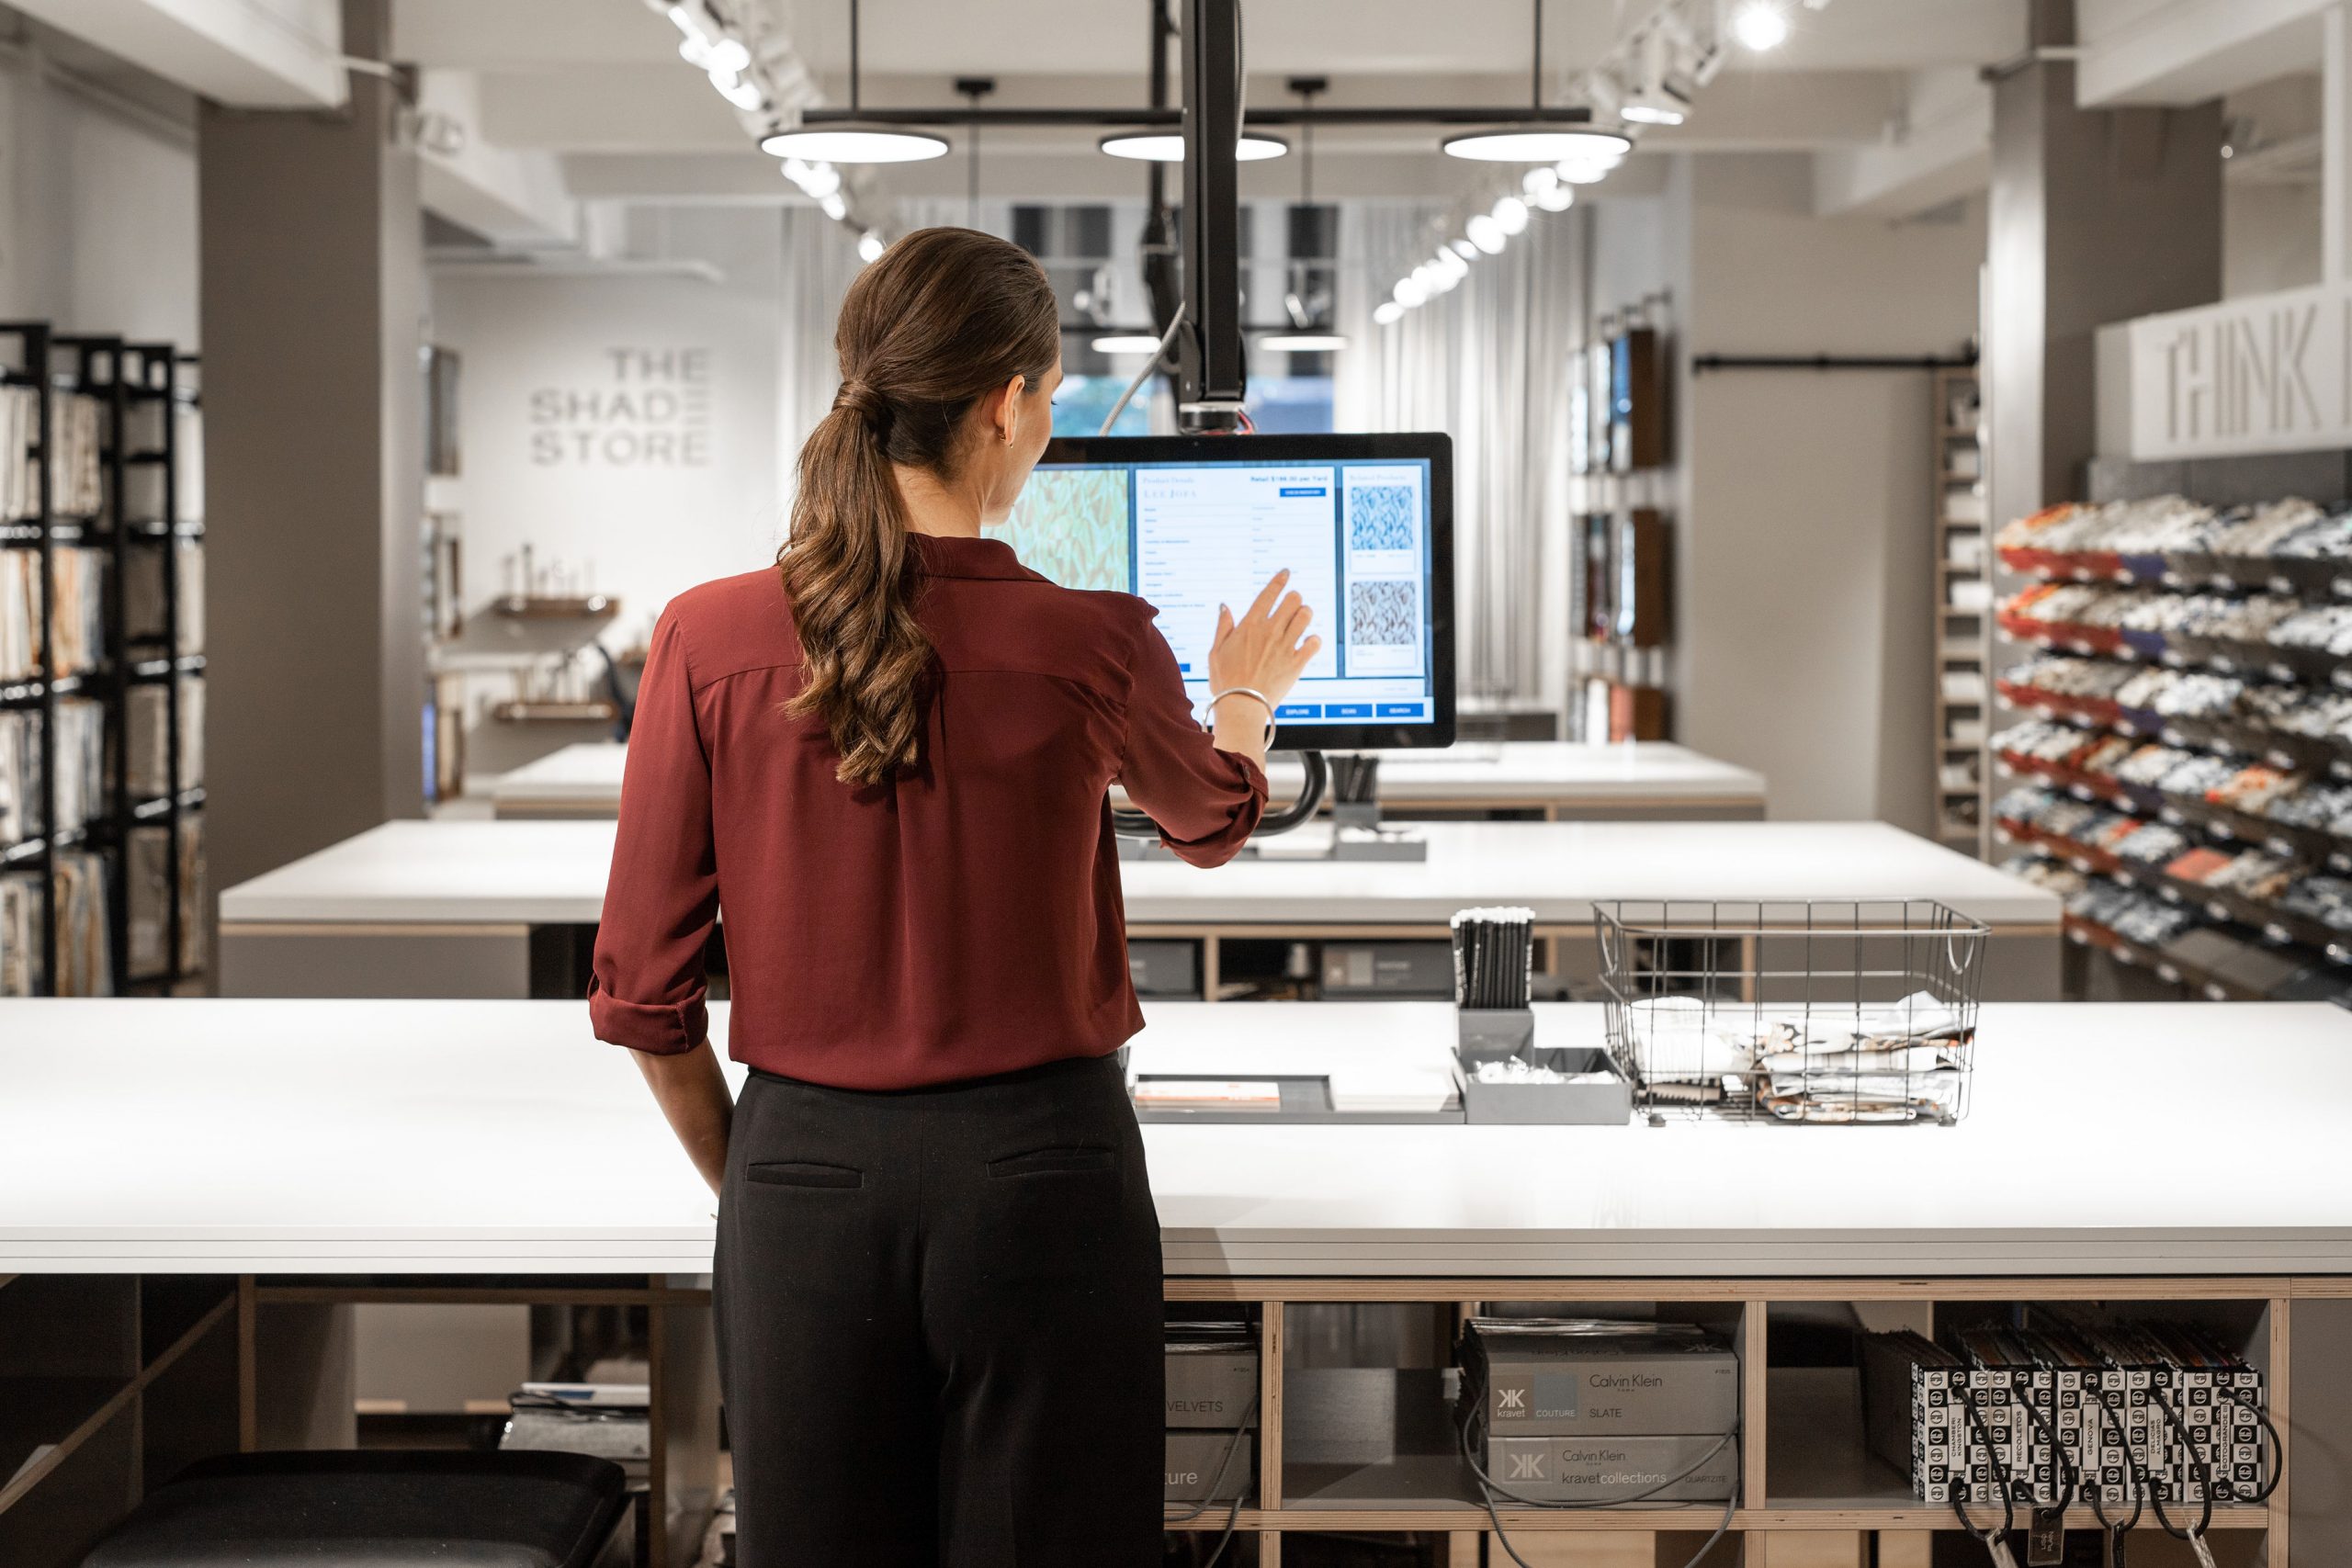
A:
{"points": [[1207, 802], [661, 898]]}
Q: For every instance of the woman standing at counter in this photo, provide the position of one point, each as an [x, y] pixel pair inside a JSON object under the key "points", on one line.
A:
{"points": [[937, 1286]]}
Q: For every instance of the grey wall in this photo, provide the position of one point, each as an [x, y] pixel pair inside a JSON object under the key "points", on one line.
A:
{"points": [[1804, 501], [311, 300]]}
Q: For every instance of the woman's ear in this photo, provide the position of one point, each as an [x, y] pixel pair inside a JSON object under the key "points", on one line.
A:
{"points": [[1004, 412]]}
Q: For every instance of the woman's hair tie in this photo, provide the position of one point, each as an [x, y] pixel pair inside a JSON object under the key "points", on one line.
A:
{"points": [[858, 397]]}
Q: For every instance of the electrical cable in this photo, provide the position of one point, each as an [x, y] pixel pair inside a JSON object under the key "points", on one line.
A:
{"points": [[2133, 1475], [2198, 1468], [1996, 1541], [1158, 355], [2277, 1467], [1208, 1501]]}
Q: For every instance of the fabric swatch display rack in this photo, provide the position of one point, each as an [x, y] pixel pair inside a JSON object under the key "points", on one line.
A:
{"points": [[2179, 748], [101, 666]]}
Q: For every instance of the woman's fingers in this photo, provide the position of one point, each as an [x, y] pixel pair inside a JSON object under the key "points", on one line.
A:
{"points": [[1224, 624], [1266, 595]]}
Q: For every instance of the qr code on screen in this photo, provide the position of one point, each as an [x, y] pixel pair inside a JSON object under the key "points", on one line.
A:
{"points": [[1380, 517], [1380, 612]]}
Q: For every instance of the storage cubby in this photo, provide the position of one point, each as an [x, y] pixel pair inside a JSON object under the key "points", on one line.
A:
{"points": [[1817, 1456]]}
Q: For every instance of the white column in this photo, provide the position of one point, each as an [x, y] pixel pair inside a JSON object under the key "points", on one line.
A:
{"points": [[2335, 146]]}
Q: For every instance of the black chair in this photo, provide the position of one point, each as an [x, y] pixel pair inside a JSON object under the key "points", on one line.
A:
{"points": [[399, 1509]]}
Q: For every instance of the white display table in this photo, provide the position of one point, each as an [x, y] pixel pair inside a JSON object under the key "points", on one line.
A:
{"points": [[2178, 1160], [1644, 780], [448, 907], [243, 1136]]}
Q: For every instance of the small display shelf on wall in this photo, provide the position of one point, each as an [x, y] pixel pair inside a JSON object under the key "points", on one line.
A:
{"points": [[2180, 748], [1620, 590]]}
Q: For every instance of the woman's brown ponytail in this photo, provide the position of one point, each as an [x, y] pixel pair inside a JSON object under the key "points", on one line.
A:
{"points": [[943, 317]]}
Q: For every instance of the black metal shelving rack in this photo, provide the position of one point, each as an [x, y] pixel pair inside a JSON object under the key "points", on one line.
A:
{"points": [[127, 380], [31, 369], [154, 375]]}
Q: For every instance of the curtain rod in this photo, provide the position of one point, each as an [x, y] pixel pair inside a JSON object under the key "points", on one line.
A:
{"points": [[1703, 362]]}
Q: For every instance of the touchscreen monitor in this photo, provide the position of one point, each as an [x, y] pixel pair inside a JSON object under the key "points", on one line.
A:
{"points": [[1364, 522]]}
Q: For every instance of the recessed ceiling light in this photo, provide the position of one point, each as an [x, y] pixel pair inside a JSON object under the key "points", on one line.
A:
{"points": [[1533, 144], [1486, 234], [1408, 293], [1168, 147], [1387, 313], [1463, 248], [847, 143], [1303, 343], [870, 246], [1557, 196], [1509, 214], [1125, 342]]}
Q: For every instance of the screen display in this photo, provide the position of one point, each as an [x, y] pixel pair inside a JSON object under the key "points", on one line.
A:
{"points": [[1358, 532]]}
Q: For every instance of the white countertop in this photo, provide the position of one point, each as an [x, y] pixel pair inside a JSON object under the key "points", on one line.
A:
{"points": [[553, 873], [589, 775], [458, 1137]]}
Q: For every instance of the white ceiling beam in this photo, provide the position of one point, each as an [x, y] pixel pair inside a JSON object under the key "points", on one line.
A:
{"points": [[271, 54], [530, 35], [1779, 111], [2185, 51], [609, 109], [516, 199], [1934, 161]]}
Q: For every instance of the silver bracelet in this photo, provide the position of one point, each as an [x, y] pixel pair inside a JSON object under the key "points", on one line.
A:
{"points": [[1254, 694]]}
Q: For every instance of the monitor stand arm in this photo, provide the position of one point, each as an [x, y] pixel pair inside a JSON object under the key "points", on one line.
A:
{"points": [[1211, 374], [1139, 825]]}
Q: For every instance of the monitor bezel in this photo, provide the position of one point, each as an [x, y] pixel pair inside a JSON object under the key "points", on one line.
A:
{"points": [[1436, 449]]}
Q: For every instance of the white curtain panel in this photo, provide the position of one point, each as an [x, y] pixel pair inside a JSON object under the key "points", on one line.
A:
{"points": [[1490, 362], [820, 259]]}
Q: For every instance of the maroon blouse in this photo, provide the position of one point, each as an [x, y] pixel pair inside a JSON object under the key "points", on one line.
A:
{"points": [[963, 921]]}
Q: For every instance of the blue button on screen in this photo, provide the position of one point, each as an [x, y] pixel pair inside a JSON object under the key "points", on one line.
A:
{"points": [[1299, 710], [1400, 710], [1303, 490], [1347, 710]]}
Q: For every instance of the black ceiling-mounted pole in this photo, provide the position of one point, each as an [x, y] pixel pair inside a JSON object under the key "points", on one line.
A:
{"points": [[1157, 244], [1210, 376], [972, 89]]}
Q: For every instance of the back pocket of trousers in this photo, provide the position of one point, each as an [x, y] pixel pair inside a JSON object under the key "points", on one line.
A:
{"points": [[803, 1173], [1040, 1162]]}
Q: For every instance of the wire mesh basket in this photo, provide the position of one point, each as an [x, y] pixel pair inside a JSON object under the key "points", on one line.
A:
{"points": [[1833, 1010]]}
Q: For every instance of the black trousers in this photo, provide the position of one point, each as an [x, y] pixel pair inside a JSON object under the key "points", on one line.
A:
{"points": [[939, 1324]]}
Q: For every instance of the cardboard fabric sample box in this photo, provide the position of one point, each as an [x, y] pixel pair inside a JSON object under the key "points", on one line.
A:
{"points": [[1212, 1389], [1210, 1467], [1538, 1380], [1603, 1470]]}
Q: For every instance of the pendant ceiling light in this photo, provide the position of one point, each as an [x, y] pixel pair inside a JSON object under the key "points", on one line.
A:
{"points": [[1537, 139], [852, 141], [1168, 146], [1310, 319]]}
